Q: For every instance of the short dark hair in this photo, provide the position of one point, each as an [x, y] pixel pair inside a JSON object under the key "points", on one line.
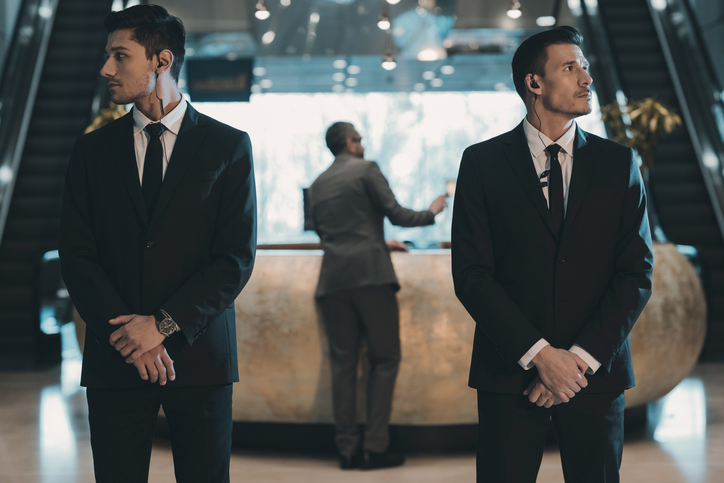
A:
{"points": [[337, 136], [532, 54], [155, 29]]}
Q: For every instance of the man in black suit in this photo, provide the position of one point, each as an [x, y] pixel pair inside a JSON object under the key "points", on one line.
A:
{"points": [[551, 255], [357, 291], [158, 237]]}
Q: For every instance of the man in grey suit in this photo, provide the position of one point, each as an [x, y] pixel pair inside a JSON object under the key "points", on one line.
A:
{"points": [[357, 290]]}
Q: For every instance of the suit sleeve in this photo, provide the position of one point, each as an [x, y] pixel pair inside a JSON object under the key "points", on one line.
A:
{"points": [[608, 328], [384, 199], [89, 287], [473, 270], [212, 289]]}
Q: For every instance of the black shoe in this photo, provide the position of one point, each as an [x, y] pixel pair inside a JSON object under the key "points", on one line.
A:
{"points": [[349, 462], [375, 461]]}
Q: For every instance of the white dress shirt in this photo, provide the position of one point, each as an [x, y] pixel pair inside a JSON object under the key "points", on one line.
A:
{"points": [[172, 123], [537, 142]]}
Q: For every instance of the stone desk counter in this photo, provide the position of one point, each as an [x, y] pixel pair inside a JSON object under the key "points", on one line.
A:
{"points": [[284, 359]]}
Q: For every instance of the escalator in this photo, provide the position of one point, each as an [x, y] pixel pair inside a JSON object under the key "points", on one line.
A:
{"points": [[62, 110], [688, 208]]}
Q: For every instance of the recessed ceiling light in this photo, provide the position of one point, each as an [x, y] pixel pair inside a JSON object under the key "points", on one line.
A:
{"points": [[447, 69], [354, 69]]}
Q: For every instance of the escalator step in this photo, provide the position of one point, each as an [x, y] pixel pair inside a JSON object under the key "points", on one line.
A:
{"points": [[631, 29], [40, 144], [61, 107], [646, 78], [33, 228], [49, 185], [59, 126], [75, 53], [36, 206], [700, 235], [18, 297], [682, 193], [17, 273], [82, 72], [43, 164], [80, 90], [675, 173], [79, 38]]}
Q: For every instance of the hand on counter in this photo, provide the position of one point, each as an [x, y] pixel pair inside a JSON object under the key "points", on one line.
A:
{"points": [[396, 246], [155, 365], [439, 204], [137, 336]]}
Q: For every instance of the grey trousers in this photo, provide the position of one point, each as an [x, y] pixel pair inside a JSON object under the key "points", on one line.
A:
{"points": [[349, 315]]}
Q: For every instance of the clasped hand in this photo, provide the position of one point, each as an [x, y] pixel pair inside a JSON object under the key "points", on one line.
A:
{"points": [[560, 377], [140, 342]]}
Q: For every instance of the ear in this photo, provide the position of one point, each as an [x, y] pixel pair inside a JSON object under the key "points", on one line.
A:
{"points": [[165, 60]]}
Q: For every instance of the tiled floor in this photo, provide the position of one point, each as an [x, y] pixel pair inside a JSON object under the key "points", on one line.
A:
{"points": [[44, 439]]}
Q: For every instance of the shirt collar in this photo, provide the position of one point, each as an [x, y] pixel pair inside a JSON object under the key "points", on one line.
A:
{"points": [[535, 146], [171, 121]]}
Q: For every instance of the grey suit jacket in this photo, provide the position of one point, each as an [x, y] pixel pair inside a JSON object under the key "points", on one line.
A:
{"points": [[349, 203]]}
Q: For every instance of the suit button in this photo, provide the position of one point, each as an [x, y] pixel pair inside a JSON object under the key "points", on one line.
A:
{"points": [[150, 244], [561, 260]]}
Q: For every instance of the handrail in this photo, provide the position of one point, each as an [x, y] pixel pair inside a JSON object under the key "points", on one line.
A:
{"points": [[23, 68], [697, 89]]}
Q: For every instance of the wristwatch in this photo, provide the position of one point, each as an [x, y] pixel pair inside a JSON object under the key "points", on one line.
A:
{"points": [[165, 324]]}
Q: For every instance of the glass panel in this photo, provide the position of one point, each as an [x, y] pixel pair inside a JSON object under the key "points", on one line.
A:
{"points": [[417, 139]]}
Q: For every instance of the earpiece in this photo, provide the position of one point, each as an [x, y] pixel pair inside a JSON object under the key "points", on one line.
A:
{"points": [[533, 84]]}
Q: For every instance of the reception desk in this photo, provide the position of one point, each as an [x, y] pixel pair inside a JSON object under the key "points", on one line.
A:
{"points": [[284, 360], [284, 357]]}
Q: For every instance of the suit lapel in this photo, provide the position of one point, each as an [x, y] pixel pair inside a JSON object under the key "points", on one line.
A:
{"points": [[190, 136], [583, 166], [518, 154], [124, 154]]}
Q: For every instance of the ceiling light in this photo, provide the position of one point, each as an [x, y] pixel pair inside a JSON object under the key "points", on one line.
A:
{"points": [[255, 89], [388, 62], [351, 82], [384, 22], [436, 82], [339, 77], [514, 10], [419, 87], [428, 74], [447, 69], [266, 83], [339, 64], [393, 2], [546, 21], [268, 37], [337, 88], [353, 69], [262, 11], [430, 54], [285, 3], [314, 17], [259, 71]]}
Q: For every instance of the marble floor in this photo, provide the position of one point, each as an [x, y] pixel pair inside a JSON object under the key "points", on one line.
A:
{"points": [[44, 439]]}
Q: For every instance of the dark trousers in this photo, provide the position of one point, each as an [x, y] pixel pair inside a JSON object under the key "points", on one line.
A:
{"points": [[122, 423], [513, 432], [349, 315]]}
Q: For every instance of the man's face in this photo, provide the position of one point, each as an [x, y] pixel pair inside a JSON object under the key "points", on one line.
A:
{"points": [[131, 76], [565, 86], [354, 144]]}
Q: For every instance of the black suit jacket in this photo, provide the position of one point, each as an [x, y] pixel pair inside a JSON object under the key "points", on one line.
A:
{"points": [[520, 281], [191, 257]]}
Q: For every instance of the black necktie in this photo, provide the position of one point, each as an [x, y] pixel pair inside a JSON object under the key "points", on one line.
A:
{"points": [[152, 167], [555, 188]]}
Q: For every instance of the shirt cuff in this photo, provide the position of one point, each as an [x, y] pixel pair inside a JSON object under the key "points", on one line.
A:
{"points": [[526, 362], [593, 364]]}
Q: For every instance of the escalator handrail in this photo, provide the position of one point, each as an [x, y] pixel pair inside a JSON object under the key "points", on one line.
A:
{"points": [[697, 90], [19, 86]]}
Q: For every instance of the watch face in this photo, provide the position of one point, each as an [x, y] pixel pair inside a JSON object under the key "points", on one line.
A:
{"points": [[166, 327]]}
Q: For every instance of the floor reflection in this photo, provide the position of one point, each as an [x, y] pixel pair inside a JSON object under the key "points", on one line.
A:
{"points": [[44, 438]]}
